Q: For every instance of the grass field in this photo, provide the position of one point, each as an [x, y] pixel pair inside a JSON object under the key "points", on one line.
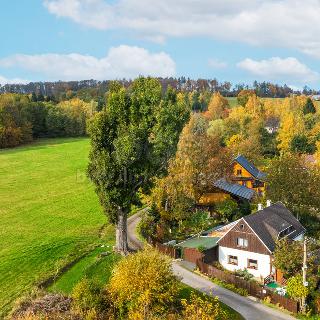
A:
{"points": [[93, 266], [49, 213]]}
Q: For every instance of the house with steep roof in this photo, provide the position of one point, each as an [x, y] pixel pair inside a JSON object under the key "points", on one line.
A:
{"points": [[251, 241], [246, 174], [245, 183]]}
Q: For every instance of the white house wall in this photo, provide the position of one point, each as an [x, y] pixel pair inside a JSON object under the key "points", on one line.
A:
{"points": [[243, 256]]}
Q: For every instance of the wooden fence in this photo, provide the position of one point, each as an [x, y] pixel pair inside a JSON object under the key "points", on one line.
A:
{"points": [[168, 250], [253, 288]]}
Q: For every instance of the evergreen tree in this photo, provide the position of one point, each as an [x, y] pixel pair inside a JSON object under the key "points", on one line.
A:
{"points": [[309, 107]]}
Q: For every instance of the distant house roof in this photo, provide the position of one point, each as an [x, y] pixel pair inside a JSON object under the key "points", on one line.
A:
{"points": [[269, 222], [196, 242], [256, 173], [235, 189]]}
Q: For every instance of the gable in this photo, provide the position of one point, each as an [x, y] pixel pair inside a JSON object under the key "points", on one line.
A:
{"points": [[249, 167], [244, 173], [243, 230]]}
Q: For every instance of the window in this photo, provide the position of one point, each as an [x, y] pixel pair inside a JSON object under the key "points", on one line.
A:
{"points": [[252, 264], [285, 232], [233, 260], [241, 226], [242, 242], [239, 172]]}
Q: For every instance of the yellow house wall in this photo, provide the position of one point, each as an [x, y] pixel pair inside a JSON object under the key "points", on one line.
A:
{"points": [[211, 198], [245, 174]]}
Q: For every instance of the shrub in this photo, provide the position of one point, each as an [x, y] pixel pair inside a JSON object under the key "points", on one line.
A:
{"points": [[203, 307], [296, 289], [87, 297], [231, 287], [245, 274], [143, 281]]}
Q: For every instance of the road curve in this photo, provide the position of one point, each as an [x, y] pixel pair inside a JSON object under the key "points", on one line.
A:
{"points": [[133, 241], [249, 309]]}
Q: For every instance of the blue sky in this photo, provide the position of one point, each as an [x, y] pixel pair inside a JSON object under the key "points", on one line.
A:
{"points": [[233, 40]]}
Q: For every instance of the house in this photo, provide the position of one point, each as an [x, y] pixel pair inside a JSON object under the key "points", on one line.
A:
{"points": [[246, 174], [272, 125], [250, 242], [245, 183]]}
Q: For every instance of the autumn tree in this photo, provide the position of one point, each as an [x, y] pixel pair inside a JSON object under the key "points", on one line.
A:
{"points": [[243, 96], [143, 283], [200, 159], [131, 143], [296, 289], [217, 107], [254, 106], [291, 125]]}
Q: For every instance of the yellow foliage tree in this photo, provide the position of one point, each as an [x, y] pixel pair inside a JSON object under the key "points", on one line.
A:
{"points": [[217, 107], [290, 126], [254, 106], [317, 154], [143, 283]]}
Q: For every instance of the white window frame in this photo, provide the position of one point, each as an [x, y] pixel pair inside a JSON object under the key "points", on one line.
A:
{"points": [[242, 243]]}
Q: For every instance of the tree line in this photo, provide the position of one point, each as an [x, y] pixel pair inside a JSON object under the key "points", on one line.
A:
{"points": [[24, 118], [99, 88]]}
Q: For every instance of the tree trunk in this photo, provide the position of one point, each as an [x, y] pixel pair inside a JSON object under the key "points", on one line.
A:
{"points": [[121, 233]]}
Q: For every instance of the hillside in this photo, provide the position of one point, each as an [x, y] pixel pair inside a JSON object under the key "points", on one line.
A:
{"points": [[49, 213]]}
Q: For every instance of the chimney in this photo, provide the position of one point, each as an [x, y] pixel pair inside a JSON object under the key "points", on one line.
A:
{"points": [[269, 203], [260, 206]]}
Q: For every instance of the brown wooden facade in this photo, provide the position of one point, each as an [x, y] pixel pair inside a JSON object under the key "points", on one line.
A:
{"points": [[243, 231]]}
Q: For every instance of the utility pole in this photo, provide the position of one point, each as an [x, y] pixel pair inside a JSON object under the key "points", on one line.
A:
{"points": [[304, 270]]}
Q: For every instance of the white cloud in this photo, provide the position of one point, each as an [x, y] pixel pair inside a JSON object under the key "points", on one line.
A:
{"points": [[217, 64], [120, 62], [277, 23], [279, 69], [4, 80]]}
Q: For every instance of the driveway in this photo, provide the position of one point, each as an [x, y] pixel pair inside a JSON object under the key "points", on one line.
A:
{"points": [[249, 309]]}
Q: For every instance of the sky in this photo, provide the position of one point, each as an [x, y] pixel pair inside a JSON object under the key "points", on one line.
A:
{"points": [[232, 40]]}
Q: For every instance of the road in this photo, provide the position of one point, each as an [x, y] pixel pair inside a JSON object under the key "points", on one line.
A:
{"points": [[248, 308]]}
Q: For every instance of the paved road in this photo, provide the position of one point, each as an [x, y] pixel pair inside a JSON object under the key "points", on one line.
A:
{"points": [[133, 241], [249, 309]]}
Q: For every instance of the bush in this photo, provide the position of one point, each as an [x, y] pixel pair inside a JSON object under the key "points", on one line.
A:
{"points": [[143, 281], [87, 297], [231, 287], [245, 274], [203, 307]]}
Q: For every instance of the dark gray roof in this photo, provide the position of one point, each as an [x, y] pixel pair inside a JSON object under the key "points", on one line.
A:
{"points": [[250, 167], [270, 221], [235, 189]]}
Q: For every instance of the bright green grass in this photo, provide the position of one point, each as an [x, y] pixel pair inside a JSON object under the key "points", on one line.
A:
{"points": [[92, 266], [49, 213]]}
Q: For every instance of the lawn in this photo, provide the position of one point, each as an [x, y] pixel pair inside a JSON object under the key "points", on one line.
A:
{"points": [[93, 266], [49, 213]]}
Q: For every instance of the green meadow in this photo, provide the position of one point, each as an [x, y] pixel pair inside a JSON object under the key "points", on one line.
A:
{"points": [[49, 214]]}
